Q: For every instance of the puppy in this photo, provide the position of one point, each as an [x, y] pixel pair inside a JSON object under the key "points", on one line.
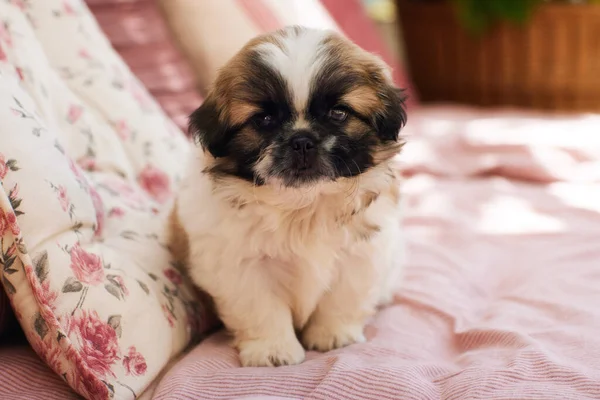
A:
{"points": [[289, 214]]}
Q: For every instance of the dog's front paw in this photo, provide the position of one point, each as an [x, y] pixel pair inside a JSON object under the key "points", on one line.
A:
{"points": [[270, 352], [329, 336]]}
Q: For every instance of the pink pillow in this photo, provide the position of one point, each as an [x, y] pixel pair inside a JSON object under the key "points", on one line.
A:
{"points": [[138, 32]]}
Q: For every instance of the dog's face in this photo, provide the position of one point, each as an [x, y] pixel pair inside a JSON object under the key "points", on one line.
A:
{"points": [[300, 106]]}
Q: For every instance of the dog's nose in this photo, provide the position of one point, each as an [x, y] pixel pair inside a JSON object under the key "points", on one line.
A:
{"points": [[303, 144], [304, 151]]}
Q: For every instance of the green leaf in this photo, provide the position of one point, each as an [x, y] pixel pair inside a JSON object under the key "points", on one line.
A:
{"points": [[40, 325], [21, 245], [72, 285], [12, 164], [8, 286], [144, 287], [9, 262], [41, 266], [113, 289], [16, 203], [478, 15]]}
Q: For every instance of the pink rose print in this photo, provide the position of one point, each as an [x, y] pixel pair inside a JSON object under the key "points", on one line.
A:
{"points": [[49, 352], [5, 35], [3, 223], [83, 53], [68, 8], [19, 3], [96, 339], [3, 167], [87, 267], [20, 73], [99, 207], [74, 113], [46, 296], [88, 163], [52, 356], [85, 381], [12, 250], [8, 222], [128, 193], [76, 170], [116, 212], [134, 363], [169, 316], [123, 130], [173, 276], [11, 218], [3, 56], [63, 198], [121, 283], [156, 183]]}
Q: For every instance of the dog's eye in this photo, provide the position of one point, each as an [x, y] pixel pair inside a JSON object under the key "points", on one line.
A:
{"points": [[264, 120], [337, 114]]}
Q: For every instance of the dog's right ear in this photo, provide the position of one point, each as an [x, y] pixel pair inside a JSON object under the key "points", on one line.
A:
{"points": [[206, 128]]}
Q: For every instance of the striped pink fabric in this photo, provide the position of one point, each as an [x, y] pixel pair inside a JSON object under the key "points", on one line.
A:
{"points": [[501, 293], [138, 32], [24, 376]]}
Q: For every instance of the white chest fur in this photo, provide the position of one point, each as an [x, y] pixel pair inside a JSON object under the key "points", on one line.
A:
{"points": [[260, 251]]}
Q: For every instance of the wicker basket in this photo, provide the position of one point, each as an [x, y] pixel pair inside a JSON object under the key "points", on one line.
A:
{"points": [[551, 63]]}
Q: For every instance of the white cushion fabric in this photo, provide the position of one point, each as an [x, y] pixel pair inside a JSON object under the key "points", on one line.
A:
{"points": [[88, 163]]}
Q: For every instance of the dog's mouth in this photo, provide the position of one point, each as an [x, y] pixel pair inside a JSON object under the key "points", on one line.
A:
{"points": [[303, 176], [293, 175]]}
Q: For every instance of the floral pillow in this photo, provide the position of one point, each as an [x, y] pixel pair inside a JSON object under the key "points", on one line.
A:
{"points": [[88, 164]]}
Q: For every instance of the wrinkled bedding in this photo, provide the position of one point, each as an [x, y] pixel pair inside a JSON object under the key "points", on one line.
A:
{"points": [[501, 295], [24, 376]]}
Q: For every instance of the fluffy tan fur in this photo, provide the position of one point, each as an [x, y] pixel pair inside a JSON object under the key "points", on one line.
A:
{"points": [[291, 267]]}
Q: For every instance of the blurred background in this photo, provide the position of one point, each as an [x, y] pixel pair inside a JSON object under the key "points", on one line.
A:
{"points": [[533, 54]]}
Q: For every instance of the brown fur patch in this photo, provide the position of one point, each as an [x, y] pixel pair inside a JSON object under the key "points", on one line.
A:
{"points": [[363, 99], [177, 238], [231, 79], [368, 198], [387, 152], [352, 57], [365, 230], [240, 111], [218, 166], [395, 192], [248, 138], [356, 128]]}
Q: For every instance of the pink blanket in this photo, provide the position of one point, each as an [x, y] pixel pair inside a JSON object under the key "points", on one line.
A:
{"points": [[501, 298]]}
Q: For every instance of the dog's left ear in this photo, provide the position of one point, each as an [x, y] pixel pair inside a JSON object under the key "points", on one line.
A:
{"points": [[392, 117], [206, 128]]}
